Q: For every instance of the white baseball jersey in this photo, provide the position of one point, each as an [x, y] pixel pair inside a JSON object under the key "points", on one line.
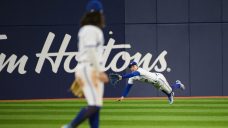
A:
{"points": [[156, 79], [90, 46], [91, 41]]}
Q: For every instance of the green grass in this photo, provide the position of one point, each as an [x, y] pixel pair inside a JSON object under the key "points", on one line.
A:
{"points": [[154, 113]]}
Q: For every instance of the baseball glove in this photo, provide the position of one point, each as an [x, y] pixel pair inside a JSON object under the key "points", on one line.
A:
{"points": [[76, 88], [114, 78]]}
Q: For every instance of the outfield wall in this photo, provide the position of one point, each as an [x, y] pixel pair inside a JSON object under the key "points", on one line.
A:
{"points": [[184, 39]]}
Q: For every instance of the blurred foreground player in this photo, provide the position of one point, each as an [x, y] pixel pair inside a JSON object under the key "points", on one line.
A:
{"points": [[156, 79], [89, 74]]}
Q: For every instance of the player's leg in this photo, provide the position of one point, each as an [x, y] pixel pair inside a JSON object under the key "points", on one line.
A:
{"points": [[165, 87], [91, 96], [85, 113], [176, 85], [94, 120]]}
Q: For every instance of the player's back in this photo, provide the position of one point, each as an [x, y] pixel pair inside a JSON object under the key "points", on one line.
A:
{"points": [[147, 76], [89, 36]]}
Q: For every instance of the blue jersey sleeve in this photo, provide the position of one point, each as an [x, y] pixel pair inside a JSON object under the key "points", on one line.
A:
{"points": [[135, 73], [127, 89]]}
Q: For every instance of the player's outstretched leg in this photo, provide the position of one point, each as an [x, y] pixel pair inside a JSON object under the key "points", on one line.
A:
{"points": [[170, 96], [166, 88]]}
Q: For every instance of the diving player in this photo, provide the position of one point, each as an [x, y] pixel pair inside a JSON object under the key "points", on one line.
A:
{"points": [[89, 68], [156, 79]]}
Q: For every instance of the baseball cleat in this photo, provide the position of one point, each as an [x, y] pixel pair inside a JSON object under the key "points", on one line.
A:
{"points": [[170, 98], [182, 87]]}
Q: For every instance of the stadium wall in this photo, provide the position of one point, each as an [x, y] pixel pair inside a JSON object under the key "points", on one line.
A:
{"points": [[184, 39]]}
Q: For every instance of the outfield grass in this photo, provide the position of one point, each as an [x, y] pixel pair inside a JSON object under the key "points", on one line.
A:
{"points": [[147, 113]]}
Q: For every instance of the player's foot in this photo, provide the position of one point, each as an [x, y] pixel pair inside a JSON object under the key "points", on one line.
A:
{"points": [[170, 98], [182, 87], [120, 99], [66, 126]]}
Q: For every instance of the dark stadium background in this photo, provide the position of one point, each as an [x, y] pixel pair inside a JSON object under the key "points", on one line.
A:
{"points": [[193, 32]]}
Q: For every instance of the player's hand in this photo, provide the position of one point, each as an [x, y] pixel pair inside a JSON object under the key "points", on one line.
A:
{"points": [[120, 99], [114, 78], [76, 87], [104, 77]]}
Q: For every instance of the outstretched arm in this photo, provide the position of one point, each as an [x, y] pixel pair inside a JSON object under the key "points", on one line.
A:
{"points": [[126, 91], [114, 78], [135, 73]]}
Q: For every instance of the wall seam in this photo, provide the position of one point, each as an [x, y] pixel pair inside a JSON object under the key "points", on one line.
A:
{"points": [[222, 57], [156, 32], [189, 50]]}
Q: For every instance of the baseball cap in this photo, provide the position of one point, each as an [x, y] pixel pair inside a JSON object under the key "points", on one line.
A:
{"points": [[94, 6], [131, 64]]}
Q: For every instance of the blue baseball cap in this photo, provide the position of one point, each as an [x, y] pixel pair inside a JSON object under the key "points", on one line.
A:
{"points": [[131, 64], [94, 6]]}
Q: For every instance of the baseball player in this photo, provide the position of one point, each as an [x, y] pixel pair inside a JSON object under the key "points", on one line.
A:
{"points": [[156, 79], [89, 73]]}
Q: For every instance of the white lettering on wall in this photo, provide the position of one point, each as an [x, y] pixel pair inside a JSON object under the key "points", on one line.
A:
{"points": [[45, 55], [55, 58], [12, 64], [3, 37]]}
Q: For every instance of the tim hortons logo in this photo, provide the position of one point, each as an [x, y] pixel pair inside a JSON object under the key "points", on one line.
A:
{"points": [[55, 58]]}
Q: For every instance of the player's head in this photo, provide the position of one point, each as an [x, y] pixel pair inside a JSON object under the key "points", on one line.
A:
{"points": [[94, 14], [133, 66]]}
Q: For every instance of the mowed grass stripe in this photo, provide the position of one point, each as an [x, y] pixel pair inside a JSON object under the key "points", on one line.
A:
{"points": [[118, 107], [114, 102], [33, 126], [127, 101], [123, 122], [117, 110], [123, 117], [102, 126], [41, 113], [110, 105]]}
